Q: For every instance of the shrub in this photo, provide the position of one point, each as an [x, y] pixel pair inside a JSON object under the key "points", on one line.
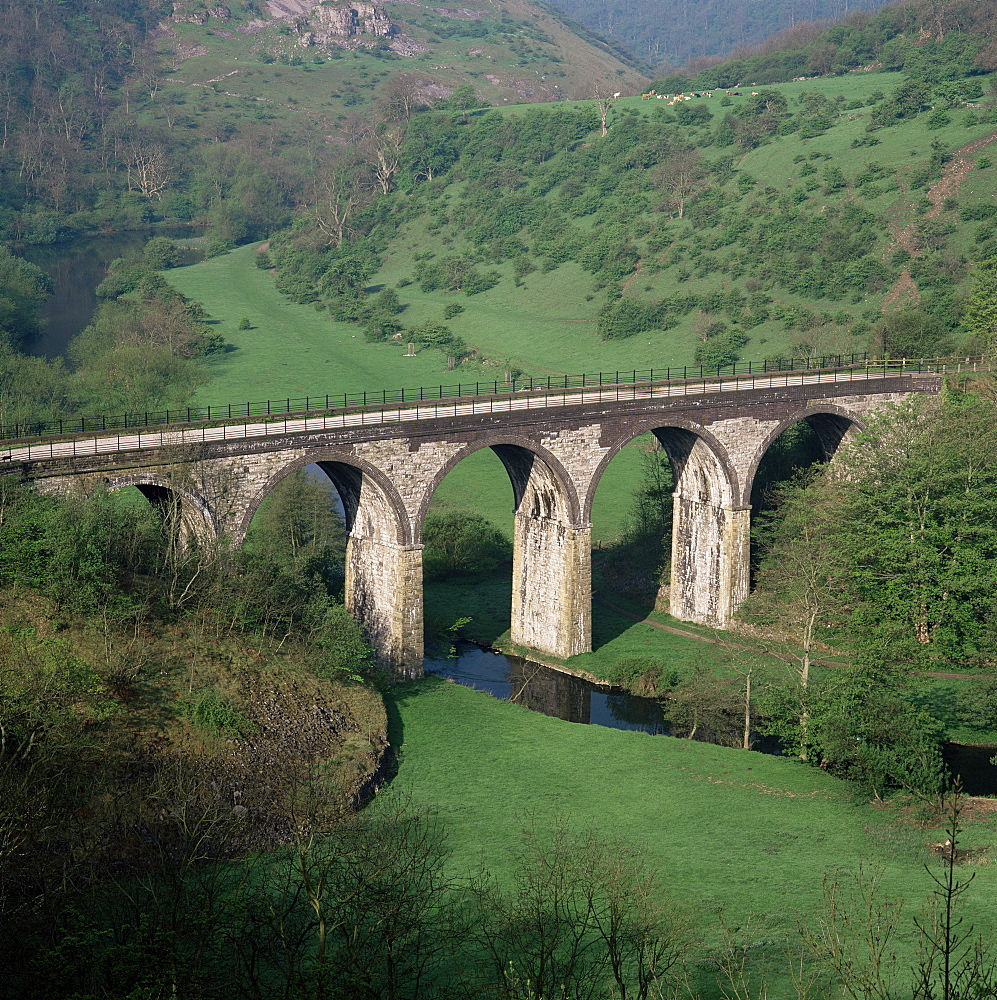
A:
{"points": [[720, 350], [161, 253], [459, 543], [641, 675], [627, 317], [216, 714]]}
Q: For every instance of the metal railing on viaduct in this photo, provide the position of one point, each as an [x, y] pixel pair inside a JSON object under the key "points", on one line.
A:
{"points": [[88, 435]]}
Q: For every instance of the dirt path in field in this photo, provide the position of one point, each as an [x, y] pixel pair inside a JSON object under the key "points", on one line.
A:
{"points": [[636, 274], [905, 291], [955, 172]]}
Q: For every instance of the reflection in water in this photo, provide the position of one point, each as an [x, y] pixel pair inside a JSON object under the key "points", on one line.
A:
{"points": [[76, 269], [548, 691]]}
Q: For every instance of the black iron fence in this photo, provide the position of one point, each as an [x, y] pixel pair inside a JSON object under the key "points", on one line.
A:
{"points": [[384, 398]]}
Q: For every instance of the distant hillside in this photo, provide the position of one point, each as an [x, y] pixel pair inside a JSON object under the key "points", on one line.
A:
{"points": [[508, 50], [673, 33], [809, 218], [160, 110]]}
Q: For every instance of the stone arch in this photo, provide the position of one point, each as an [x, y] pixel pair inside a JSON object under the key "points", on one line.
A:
{"points": [[831, 423], [371, 503], [708, 577], [383, 567], [540, 484], [185, 513], [551, 560], [699, 461]]}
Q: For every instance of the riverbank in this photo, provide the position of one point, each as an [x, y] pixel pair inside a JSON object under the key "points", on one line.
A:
{"points": [[77, 267], [736, 834]]}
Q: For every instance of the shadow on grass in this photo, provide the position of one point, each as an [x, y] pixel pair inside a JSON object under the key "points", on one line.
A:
{"points": [[396, 698], [486, 601], [607, 623]]}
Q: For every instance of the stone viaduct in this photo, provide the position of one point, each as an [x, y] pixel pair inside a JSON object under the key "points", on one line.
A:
{"points": [[386, 463]]}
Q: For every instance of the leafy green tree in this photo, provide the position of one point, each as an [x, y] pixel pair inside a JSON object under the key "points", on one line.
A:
{"points": [[137, 378], [980, 314], [907, 507], [462, 99], [912, 333], [81, 551], [909, 99], [626, 317], [798, 590], [161, 253], [459, 543], [865, 727], [299, 529], [33, 389], [914, 527], [432, 144], [23, 290], [976, 703], [816, 115], [720, 350]]}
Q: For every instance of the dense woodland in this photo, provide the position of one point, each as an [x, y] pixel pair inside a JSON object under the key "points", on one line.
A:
{"points": [[186, 730], [682, 32]]}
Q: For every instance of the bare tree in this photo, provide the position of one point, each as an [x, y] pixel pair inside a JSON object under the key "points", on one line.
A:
{"points": [[148, 166], [338, 191], [852, 933], [586, 916], [400, 97], [383, 149], [605, 101], [680, 176]]}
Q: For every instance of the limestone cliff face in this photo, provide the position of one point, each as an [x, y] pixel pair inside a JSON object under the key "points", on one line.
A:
{"points": [[348, 19], [330, 22], [194, 14]]}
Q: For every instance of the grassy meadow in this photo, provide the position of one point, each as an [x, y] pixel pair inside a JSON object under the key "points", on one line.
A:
{"points": [[735, 834]]}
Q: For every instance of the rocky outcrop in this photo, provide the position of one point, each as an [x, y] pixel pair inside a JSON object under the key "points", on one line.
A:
{"points": [[185, 13], [329, 23], [348, 19], [290, 8]]}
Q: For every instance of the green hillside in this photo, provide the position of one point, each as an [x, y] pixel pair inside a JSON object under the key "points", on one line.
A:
{"points": [[300, 63], [782, 223]]}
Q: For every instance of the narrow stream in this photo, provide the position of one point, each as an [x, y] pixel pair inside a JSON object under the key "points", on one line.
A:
{"points": [[549, 691], [576, 700]]}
